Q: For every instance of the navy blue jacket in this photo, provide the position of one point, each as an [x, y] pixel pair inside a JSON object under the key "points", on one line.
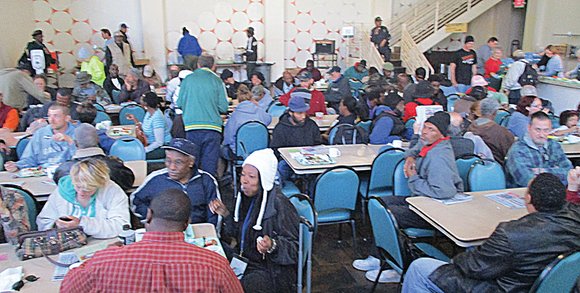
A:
{"points": [[201, 189]]}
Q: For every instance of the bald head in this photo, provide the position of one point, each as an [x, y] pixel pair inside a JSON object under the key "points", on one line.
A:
{"points": [[169, 211]]}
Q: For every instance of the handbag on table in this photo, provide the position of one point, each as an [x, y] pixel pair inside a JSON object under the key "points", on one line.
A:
{"points": [[42, 243]]}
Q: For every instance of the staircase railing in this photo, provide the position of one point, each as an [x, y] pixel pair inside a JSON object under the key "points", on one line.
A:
{"points": [[427, 17], [361, 47], [411, 55]]}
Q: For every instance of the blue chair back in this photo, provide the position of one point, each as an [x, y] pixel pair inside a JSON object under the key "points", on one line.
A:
{"points": [[451, 99], [101, 116], [21, 145], [128, 149], [307, 214], [115, 96], [400, 183], [464, 164], [250, 137], [134, 109], [276, 110], [382, 170], [555, 120], [30, 204], [485, 175], [502, 117], [386, 233], [560, 275], [366, 125], [336, 189], [99, 107]]}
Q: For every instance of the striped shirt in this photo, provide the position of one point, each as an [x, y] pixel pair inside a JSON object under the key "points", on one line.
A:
{"points": [[151, 122]]}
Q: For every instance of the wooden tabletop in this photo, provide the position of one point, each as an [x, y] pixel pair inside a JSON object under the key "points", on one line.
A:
{"points": [[323, 124], [358, 156], [40, 187], [11, 138], [139, 169], [571, 150], [40, 267], [468, 223]]}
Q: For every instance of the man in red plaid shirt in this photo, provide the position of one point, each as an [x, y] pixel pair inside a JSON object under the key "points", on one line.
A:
{"points": [[161, 262]]}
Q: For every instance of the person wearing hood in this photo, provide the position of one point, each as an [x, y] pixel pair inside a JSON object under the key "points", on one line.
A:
{"points": [[87, 199], [247, 110], [387, 124], [265, 227], [181, 172], [422, 96], [91, 64], [294, 129]]}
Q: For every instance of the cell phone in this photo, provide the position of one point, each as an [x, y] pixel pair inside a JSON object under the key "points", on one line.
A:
{"points": [[65, 219]]}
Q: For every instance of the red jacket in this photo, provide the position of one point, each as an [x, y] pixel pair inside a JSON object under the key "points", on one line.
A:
{"points": [[411, 107], [573, 196], [491, 66], [317, 102]]}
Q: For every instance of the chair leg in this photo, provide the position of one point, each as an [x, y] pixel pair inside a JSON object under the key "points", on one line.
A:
{"points": [[383, 267], [363, 202], [353, 227]]}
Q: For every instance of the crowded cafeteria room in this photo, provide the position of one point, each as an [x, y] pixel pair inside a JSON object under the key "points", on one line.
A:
{"points": [[290, 146]]}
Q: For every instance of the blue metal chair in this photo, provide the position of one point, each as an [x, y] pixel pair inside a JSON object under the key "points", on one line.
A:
{"points": [[101, 116], [115, 96], [128, 149], [400, 182], [485, 175], [366, 125], [401, 188], [502, 117], [134, 109], [30, 203], [307, 214], [335, 195], [560, 275], [380, 181], [250, 136], [451, 99], [99, 107], [277, 109], [21, 145], [389, 240], [464, 164]]}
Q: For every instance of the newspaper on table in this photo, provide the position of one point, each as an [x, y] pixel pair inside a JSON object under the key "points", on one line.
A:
{"points": [[508, 199], [424, 112], [458, 198]]}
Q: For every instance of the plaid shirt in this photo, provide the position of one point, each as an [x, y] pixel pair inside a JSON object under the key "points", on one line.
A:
{"points": [[161, 262], [524, 156]]}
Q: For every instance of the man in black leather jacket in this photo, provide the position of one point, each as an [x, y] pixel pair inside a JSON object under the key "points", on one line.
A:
{"points": [[515, 254]]}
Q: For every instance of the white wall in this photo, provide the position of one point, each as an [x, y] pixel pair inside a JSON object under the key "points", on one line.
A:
{"points": [[17, 26], [547, 17]]}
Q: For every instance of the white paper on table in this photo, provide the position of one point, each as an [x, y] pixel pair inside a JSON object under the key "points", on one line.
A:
{"points": [[8, 277]]}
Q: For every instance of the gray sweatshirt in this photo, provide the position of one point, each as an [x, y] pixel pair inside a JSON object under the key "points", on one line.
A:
{"points": [[437, 174]]}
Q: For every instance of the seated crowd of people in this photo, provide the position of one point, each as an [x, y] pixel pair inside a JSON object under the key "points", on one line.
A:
{"points": [[263, 227]]}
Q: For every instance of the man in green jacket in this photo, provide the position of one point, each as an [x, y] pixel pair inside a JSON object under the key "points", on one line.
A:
{"points": [[202, 97]]}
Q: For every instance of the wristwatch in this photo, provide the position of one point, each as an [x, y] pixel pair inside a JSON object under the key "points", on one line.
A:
{"points": [[274, 244]]}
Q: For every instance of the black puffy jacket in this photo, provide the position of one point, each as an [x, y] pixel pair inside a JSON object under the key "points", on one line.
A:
{"points": [[515, 254]]}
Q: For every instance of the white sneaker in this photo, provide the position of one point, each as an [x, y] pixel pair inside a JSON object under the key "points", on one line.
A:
{"points": [[367, 264], [387, 276]]}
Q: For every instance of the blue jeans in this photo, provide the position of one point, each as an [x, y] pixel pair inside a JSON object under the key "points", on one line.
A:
{"points": [[208, 142], [417, 276]]}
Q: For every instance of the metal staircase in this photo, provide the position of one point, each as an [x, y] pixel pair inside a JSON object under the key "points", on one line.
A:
{"points": [[419, 28]]}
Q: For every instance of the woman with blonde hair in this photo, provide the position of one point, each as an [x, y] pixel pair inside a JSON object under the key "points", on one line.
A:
{"points": [[88, 199]]}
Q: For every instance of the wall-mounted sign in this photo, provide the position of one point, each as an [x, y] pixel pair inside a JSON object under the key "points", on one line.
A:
{"points": [[519, 3], [456, 28]]}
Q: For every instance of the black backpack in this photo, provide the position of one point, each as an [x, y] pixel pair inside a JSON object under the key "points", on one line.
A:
{"points": [[529, 77], [349, 134]]}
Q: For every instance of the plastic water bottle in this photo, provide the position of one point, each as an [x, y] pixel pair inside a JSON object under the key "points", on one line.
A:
{"points": [[127, 236]]}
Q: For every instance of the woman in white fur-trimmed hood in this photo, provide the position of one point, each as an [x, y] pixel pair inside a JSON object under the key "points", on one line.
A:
{"points": [[265, 225]]}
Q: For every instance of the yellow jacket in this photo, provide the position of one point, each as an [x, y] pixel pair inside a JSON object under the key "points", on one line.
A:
{"points": [[96, 69]]}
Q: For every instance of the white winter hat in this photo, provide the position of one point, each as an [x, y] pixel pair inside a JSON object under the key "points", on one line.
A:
{"points": [[266, 163], [184, 73]]}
